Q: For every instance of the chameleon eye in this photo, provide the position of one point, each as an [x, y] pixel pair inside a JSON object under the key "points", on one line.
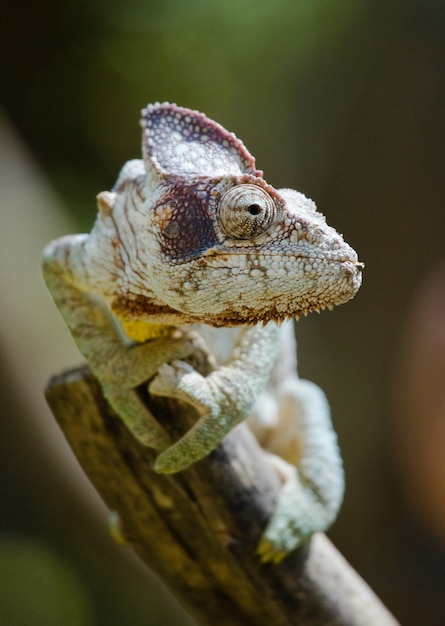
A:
{"points": [[246, 211]]}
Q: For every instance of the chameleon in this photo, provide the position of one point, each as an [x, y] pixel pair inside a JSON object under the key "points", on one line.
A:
{"points": [[193, 247]]}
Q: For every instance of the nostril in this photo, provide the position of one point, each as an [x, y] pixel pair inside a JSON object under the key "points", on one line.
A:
{"points": [[352, 269]]}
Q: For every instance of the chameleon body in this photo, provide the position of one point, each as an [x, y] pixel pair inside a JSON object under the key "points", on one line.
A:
{"points": [[193, 245]]}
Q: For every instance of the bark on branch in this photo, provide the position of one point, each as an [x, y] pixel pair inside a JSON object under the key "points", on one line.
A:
{"points": [[198, 529]]}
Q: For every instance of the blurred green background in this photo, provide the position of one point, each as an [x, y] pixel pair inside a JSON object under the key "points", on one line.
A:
{"points": [[342, 100]]}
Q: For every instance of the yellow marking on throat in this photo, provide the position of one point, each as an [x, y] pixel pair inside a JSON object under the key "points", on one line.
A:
{"points": [[140, 331]]}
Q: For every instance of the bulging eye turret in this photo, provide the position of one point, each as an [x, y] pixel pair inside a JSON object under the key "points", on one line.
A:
{"points": [[246, 211]]}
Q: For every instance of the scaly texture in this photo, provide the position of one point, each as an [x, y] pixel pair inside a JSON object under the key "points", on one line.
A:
{"points": [[192, 239]]}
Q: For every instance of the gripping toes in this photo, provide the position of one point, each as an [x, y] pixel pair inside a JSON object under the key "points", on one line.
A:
{"points": [[168, 378]]}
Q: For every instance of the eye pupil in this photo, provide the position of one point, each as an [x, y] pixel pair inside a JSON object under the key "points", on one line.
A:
{"points": [[254, 209]]}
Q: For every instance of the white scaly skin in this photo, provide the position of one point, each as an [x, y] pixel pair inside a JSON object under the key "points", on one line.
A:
{"points": [[192, 239]]}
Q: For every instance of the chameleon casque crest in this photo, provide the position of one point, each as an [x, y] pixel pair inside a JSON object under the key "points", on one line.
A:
{"points": [[192, 241]]}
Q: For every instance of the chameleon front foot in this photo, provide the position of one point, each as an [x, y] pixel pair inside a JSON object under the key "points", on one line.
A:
{"points": [[181, 381], [220, 404]]}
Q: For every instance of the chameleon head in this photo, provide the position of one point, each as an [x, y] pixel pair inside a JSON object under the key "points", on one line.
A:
{"points": [[209, 240], [253, 254]]}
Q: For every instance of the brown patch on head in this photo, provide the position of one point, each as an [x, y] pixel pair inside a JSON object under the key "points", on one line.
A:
{"points": [[139, 307], [185, 223]]}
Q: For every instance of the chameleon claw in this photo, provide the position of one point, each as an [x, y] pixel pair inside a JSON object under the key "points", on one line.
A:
{"points": [[268, 552]]}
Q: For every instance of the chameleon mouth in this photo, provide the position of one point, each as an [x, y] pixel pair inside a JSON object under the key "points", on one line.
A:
{"points": [[324, 291]]}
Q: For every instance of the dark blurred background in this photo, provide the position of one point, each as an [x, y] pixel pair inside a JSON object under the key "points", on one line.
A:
{"points": [[342, 100]]}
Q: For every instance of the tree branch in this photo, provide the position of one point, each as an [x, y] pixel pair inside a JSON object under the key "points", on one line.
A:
{"points": [[198, 529]]}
